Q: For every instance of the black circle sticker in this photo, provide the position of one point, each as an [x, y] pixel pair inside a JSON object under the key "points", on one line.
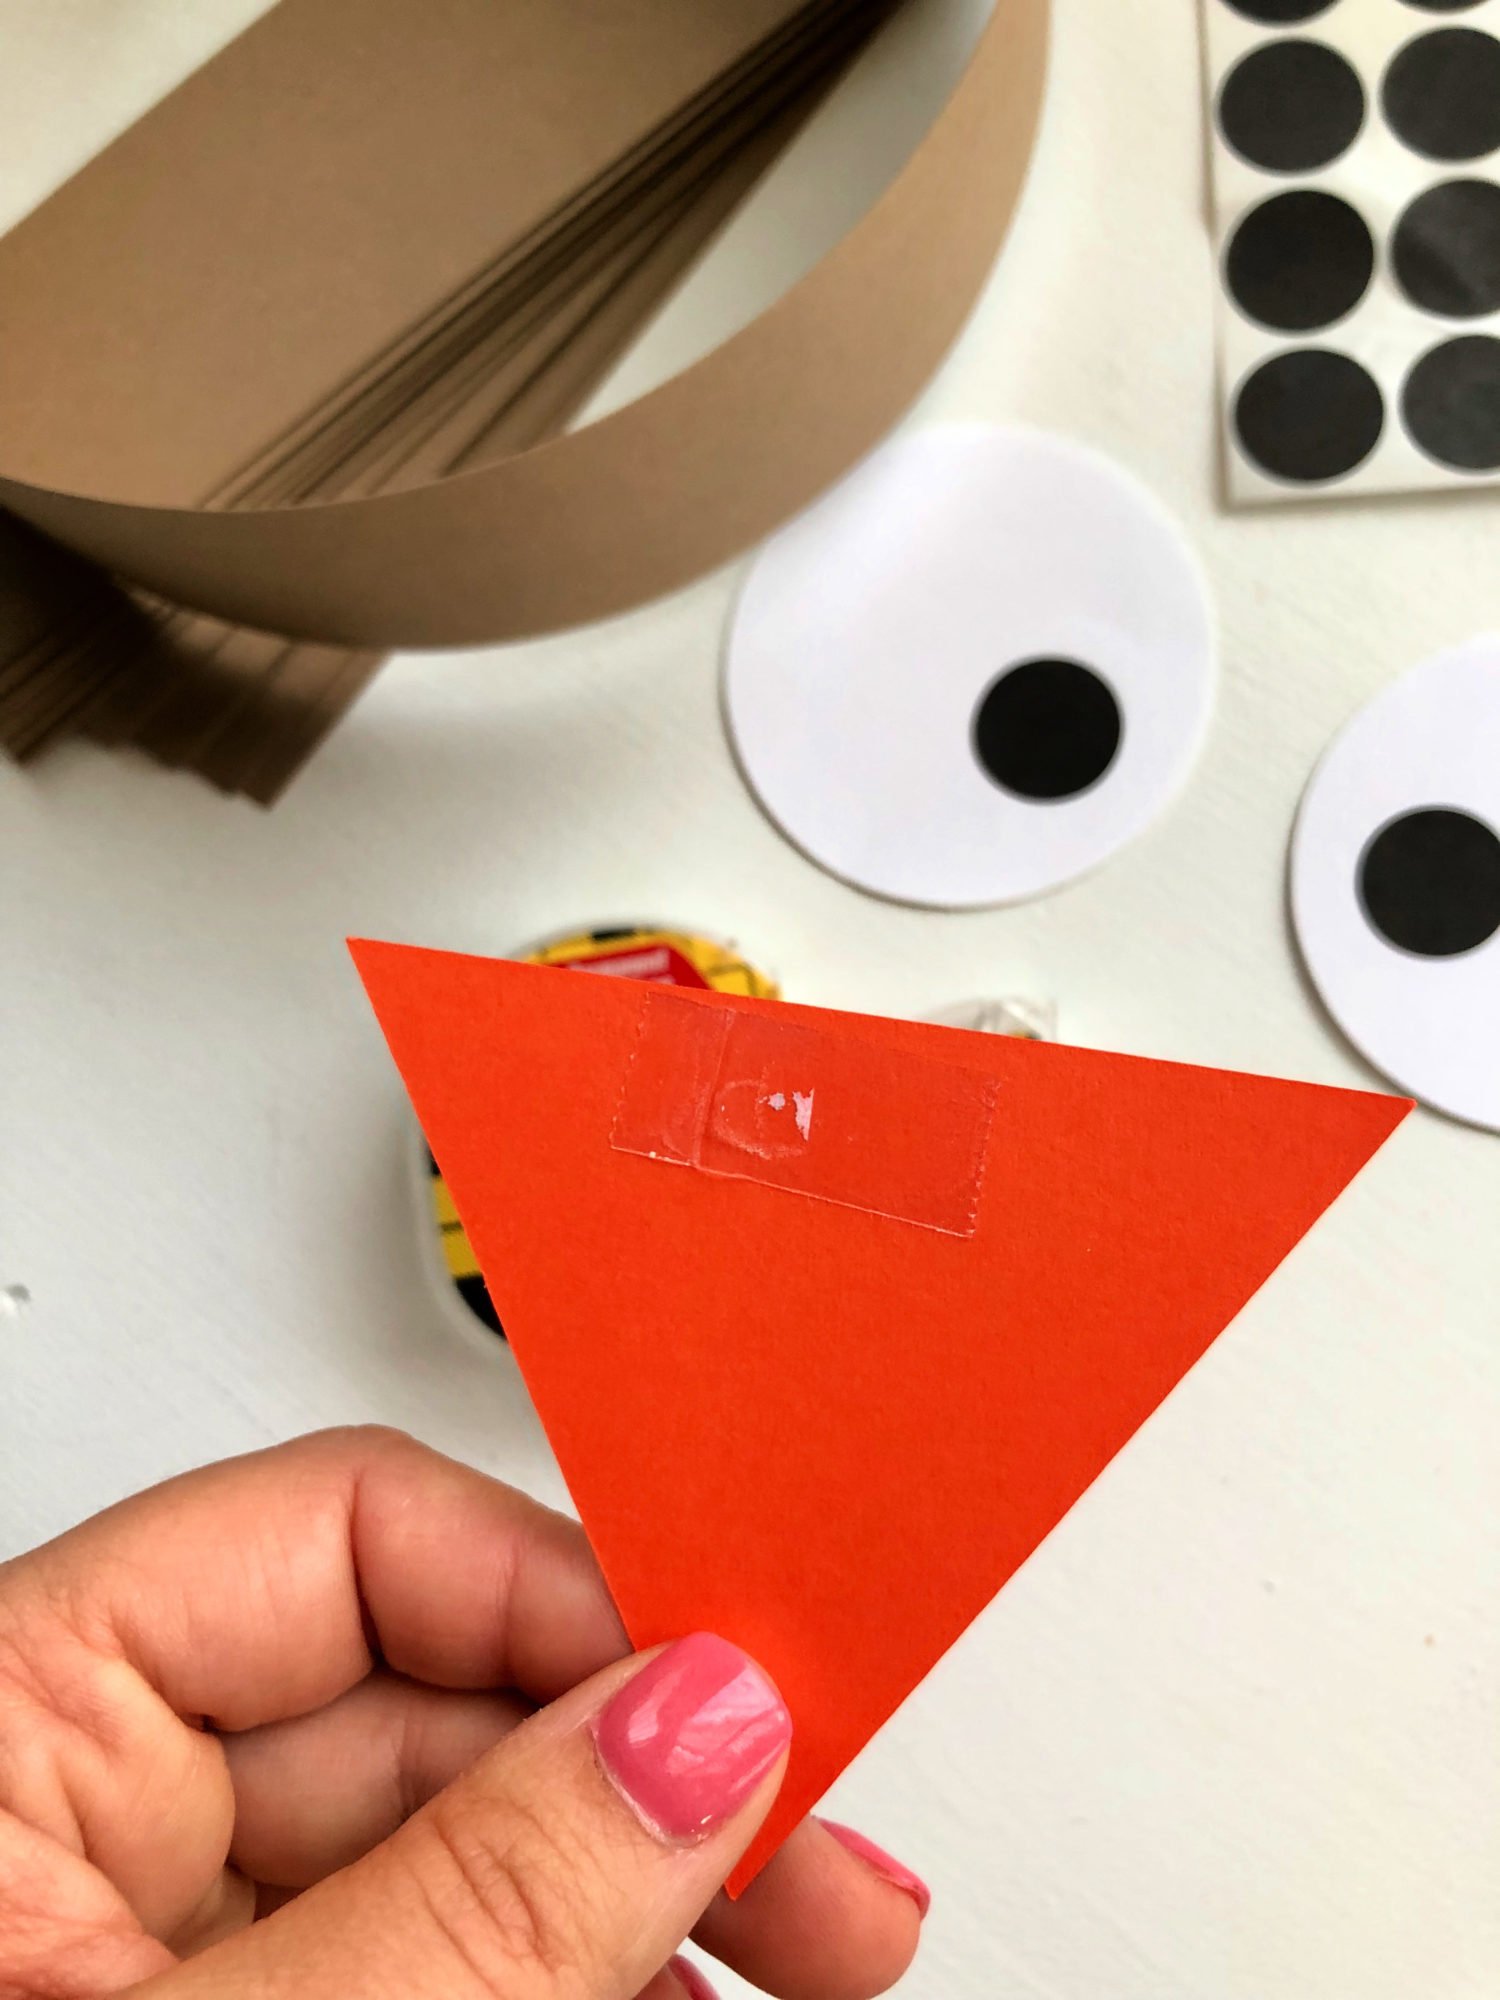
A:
{"points": [[1047, 729], [1308, 415], [1291, 106], [1442, 94], [1279, 13], [1451, 403], [1444, 6], [1429, 882], [1446, 249], [1300, 260]]}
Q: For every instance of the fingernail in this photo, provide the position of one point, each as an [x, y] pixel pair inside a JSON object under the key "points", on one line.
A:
{"points": [[886, 1866], [690, 1979], [689, 1739]]}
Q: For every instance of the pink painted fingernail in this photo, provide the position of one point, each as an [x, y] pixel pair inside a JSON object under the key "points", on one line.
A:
{"points": [[885, 1865], [690, 1979], [688, 1740]]}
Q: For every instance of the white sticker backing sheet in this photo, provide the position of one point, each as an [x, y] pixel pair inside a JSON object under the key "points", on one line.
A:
{"points": [[1395, 881], [1356, 208]]}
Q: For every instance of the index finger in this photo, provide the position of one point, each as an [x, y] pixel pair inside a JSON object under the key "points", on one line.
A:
{"points": [[263, 1587]]}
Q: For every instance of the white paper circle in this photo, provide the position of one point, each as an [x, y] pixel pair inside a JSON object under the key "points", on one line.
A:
{"points": [[1432, 739], [870, 629]]}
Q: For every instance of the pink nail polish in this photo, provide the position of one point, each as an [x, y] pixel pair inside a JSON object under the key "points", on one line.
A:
{"points": [[885, 1865], [689, 1739], [691, 1980]]}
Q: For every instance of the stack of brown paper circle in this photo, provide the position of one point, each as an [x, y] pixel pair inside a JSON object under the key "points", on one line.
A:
{"points": [[285, 372]]}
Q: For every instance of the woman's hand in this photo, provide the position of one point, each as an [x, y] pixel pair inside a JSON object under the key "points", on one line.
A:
{"points": [[381, 1703]]}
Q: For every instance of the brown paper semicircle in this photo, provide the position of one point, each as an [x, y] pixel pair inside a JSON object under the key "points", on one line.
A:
{"points": [[656, 493]]}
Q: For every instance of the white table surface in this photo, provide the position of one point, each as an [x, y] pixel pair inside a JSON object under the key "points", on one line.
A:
{"points": [[1233, 1733]]}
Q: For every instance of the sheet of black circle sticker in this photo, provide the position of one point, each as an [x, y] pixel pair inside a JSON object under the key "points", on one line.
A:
{"points": [[1356, 205]]}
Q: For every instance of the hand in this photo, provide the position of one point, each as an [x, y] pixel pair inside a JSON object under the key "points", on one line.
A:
{"points": [[346, 1720]]}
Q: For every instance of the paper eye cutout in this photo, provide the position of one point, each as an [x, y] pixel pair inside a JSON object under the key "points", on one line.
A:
{"points": [[1308, 414], [1280, 13], [1047, 729], [1445, 250], [1300, 260], [1291, 106], [1451, 403], [1442, 94], [1395, 881], [1430, 882], [973, 671]]}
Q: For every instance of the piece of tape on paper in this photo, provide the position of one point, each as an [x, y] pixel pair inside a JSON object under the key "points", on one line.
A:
{"points": [[759, 1098], [576, 529]]}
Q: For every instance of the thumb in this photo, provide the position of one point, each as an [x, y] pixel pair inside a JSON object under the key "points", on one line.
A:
{"points": [[567, 1864]]}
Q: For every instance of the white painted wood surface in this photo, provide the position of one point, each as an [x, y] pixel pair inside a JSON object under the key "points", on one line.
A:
{"points": [[1233, 1734]]}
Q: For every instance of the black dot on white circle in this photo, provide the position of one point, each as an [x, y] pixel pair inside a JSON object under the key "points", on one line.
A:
{"points": [[1446, 249], [1300, 260], [1291, 106], [1442, 94], [1451, 403], [1429, 882], [1309, 415], [1444, 6], [1280, 13], [1047, 729]]}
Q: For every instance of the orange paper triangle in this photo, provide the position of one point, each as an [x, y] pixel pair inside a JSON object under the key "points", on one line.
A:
{"points": [[830, 1319]]}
